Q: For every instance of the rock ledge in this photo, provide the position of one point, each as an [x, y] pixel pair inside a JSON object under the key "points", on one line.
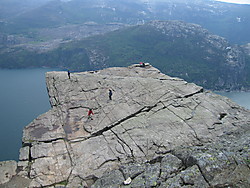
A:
{"points": [[157, 131]]}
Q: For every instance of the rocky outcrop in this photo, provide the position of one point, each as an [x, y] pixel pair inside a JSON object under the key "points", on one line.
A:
{"points": [[8, 169], [157, 131], [224, 163]]}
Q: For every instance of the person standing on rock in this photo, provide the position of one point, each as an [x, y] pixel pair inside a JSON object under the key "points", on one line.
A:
{"points": [[90, 112], [68, 74], [110, 94]]}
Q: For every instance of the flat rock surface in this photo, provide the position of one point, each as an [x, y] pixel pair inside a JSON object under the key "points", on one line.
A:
{"points": [[149, 116]]}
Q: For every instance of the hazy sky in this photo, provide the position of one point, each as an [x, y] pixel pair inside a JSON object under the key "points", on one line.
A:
{"points": [[229, 1], [236, 1]]}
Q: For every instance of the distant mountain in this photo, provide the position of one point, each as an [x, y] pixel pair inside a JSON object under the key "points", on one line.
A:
{"points": [[14, 8], [228, 20], [176, 48], [231, 21], [57, 13]]}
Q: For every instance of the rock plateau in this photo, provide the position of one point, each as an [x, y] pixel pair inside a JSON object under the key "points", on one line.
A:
{"points": [[157, 131]]}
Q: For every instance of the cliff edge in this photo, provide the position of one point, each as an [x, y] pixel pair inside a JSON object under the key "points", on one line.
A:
{"points": [[147, 130]]}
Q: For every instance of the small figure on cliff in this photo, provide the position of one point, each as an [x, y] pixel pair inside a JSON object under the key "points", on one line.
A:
{"points": [[110, 94], [90, 112], [69, 74], [142, 64]]}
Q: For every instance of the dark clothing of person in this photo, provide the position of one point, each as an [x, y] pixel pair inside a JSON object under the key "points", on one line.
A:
{"points": [[110, 94], [68, 74]]}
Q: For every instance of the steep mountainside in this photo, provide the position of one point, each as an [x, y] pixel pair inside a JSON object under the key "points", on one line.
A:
{"points": [[157, 131], [228, 20], [176, 48]]}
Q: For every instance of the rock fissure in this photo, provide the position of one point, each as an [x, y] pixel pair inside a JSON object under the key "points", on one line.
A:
{"points": [[67, 145], [184, 120], [60, 115], [100, 132], [89, 90], [136, 102], [193, 110], [222, 115], [156, 160], [137, 174], [123, 147], [56, 93], [29, 162], [195, 93], [123, 174], [163, 95], [184, 183], [110, 148], [77, 107], [106, 115], [140, 148], [105, 162], [122, 142], [51, 140], [203, 175], [148, 93]]}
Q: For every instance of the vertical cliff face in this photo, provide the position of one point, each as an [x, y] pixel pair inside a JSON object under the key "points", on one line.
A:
{"points": [[153, 126]]}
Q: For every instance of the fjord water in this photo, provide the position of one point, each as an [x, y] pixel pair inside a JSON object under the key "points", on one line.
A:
{"points": [[23, 97], [241, 98]]}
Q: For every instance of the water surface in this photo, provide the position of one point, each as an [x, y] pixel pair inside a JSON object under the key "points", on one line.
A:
{"points": [[23, 97], [241, 98]]}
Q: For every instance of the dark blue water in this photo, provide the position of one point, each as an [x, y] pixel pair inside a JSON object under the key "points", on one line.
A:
{"points": [[23, 97]]}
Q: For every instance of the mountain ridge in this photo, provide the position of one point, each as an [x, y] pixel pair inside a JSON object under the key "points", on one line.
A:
{"points": [[228, 20], [177, 48]]}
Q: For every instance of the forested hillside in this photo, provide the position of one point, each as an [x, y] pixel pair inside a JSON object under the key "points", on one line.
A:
{"points": [[176, 48]]}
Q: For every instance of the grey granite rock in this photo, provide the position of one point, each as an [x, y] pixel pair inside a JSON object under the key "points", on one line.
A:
{"points": [[156, 131], [7, 171]]}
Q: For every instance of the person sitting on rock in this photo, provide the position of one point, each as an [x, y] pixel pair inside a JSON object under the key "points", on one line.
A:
{"points": [[90, 112], [142, 64]]}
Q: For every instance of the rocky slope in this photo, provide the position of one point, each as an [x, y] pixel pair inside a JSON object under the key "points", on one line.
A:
{"points": [[157, 131]]}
